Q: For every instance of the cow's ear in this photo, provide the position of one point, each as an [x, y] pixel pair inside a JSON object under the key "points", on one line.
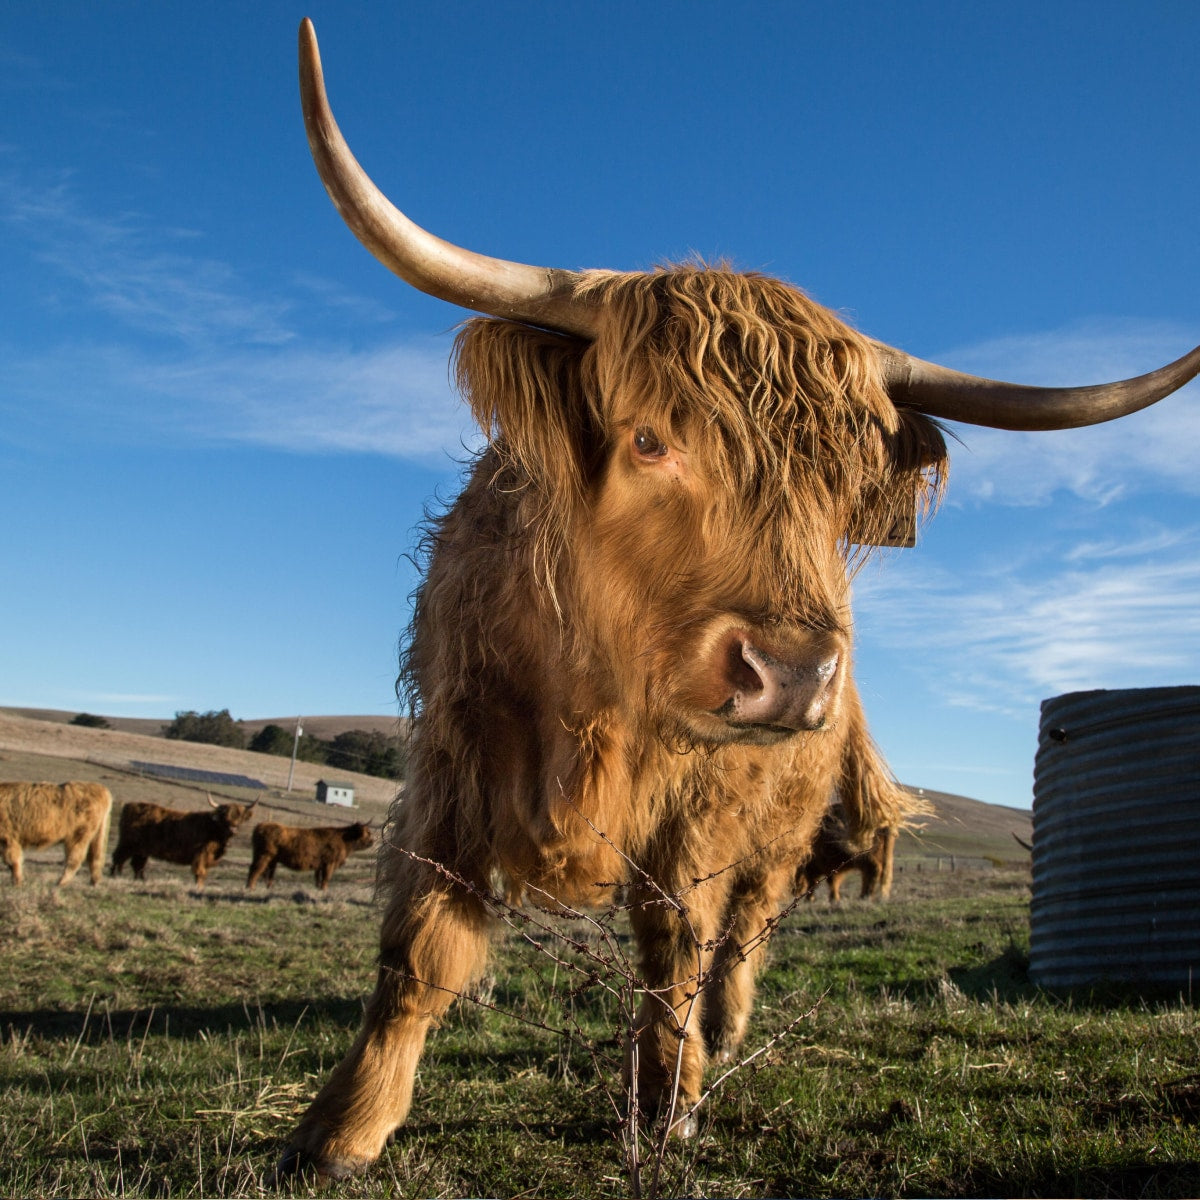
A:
{"points": [[525, 389], [907, 485]]}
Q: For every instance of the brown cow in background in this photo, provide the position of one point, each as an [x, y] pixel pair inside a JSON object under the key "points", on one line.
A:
{"points": [[321, 850], [630, 655], [196, 838], [36, 815], [832, 859]]}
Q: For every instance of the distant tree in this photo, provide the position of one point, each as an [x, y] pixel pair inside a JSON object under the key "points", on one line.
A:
{"points": [[312, 749], [91, 721], [274, 739], [371, 753], [215, 728]]}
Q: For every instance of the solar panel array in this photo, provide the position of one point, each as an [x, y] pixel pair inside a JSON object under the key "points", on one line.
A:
{"points": [[194, 775]]}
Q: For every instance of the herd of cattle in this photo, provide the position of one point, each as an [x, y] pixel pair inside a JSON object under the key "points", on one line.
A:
{"points": [[34, 816]]}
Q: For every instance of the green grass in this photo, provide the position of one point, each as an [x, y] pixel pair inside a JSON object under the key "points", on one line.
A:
{"points": [[160, 1042]]}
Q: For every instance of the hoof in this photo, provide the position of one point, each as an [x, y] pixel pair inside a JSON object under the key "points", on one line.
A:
{"points": [[296, 1161], [686, 1126]]}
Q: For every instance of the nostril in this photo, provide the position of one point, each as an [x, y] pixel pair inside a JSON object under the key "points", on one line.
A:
{"points": [[741, 668]]}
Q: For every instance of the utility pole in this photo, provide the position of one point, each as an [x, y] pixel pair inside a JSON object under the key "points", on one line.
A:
{"points": [[295, 747]]}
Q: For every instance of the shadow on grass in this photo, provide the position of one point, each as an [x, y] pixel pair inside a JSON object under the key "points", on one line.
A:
{"points": [[569, 1131], [1177, 1179], [100, 1026], [1005, 978], [284, 893]]}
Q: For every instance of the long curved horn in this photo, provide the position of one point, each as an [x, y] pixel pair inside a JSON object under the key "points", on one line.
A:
{"points": [[532, 295], [941, 392]]}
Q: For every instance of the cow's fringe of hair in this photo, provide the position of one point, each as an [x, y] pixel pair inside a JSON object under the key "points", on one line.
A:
{"points": [[784, 399]]}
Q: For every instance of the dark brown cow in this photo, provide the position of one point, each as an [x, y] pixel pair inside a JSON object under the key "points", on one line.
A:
{"points": [[321, 850], [36, 815], [832, 859], [629, 658], [198, 839]]}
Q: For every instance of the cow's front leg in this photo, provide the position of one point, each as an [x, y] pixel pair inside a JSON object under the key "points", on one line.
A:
{"points": [[666, 1055], [433, 942], [740, 954], [257, 867], [200, 865]]}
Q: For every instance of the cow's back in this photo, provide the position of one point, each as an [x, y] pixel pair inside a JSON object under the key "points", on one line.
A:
{"points": [[307, 849], [139, 815], [150, 829], [40, 814]]}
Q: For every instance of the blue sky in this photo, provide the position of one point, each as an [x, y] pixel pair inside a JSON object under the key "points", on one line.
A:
{"points": [[220, 419]]}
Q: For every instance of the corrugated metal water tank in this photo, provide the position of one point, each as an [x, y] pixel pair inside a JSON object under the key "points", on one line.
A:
{"points": [[1116, 839]]}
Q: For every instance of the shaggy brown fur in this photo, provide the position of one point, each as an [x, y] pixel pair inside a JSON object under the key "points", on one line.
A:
{"points": [[36, 815], [660, 522], [199, 839], [832, 860], [320, 850]]}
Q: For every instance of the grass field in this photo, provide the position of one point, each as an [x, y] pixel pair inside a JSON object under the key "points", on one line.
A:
{"points": [[159, 1041]]}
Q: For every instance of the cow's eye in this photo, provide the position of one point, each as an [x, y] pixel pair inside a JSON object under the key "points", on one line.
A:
{"points": [[648, 444]]}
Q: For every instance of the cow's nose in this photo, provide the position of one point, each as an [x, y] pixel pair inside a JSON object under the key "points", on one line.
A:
{"points": [[784, 694]]}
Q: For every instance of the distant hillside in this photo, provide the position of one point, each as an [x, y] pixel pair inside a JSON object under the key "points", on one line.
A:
{"points": [[968, 828], [33, 748], [325, 727]]}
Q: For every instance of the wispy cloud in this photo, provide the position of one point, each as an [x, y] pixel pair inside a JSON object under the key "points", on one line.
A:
{"points": [[394, 400], [1154, 448], [1100, 615], [143, 277], [194, 354], [23, 73], [1087, 569]]}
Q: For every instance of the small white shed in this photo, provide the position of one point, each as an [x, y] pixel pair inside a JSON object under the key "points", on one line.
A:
{"points": [[332, 792]]}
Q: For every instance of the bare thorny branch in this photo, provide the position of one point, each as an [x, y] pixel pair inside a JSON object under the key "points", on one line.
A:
{"points": [[597, 959]]}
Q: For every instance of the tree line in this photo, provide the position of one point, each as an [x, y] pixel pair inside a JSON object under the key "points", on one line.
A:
{"points": [[366, 751]]}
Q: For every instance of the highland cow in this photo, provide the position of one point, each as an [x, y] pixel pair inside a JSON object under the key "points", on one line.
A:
{"points": [[630, 655], [198, 839], [36, 815], [321, 850], [833, 858]]}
